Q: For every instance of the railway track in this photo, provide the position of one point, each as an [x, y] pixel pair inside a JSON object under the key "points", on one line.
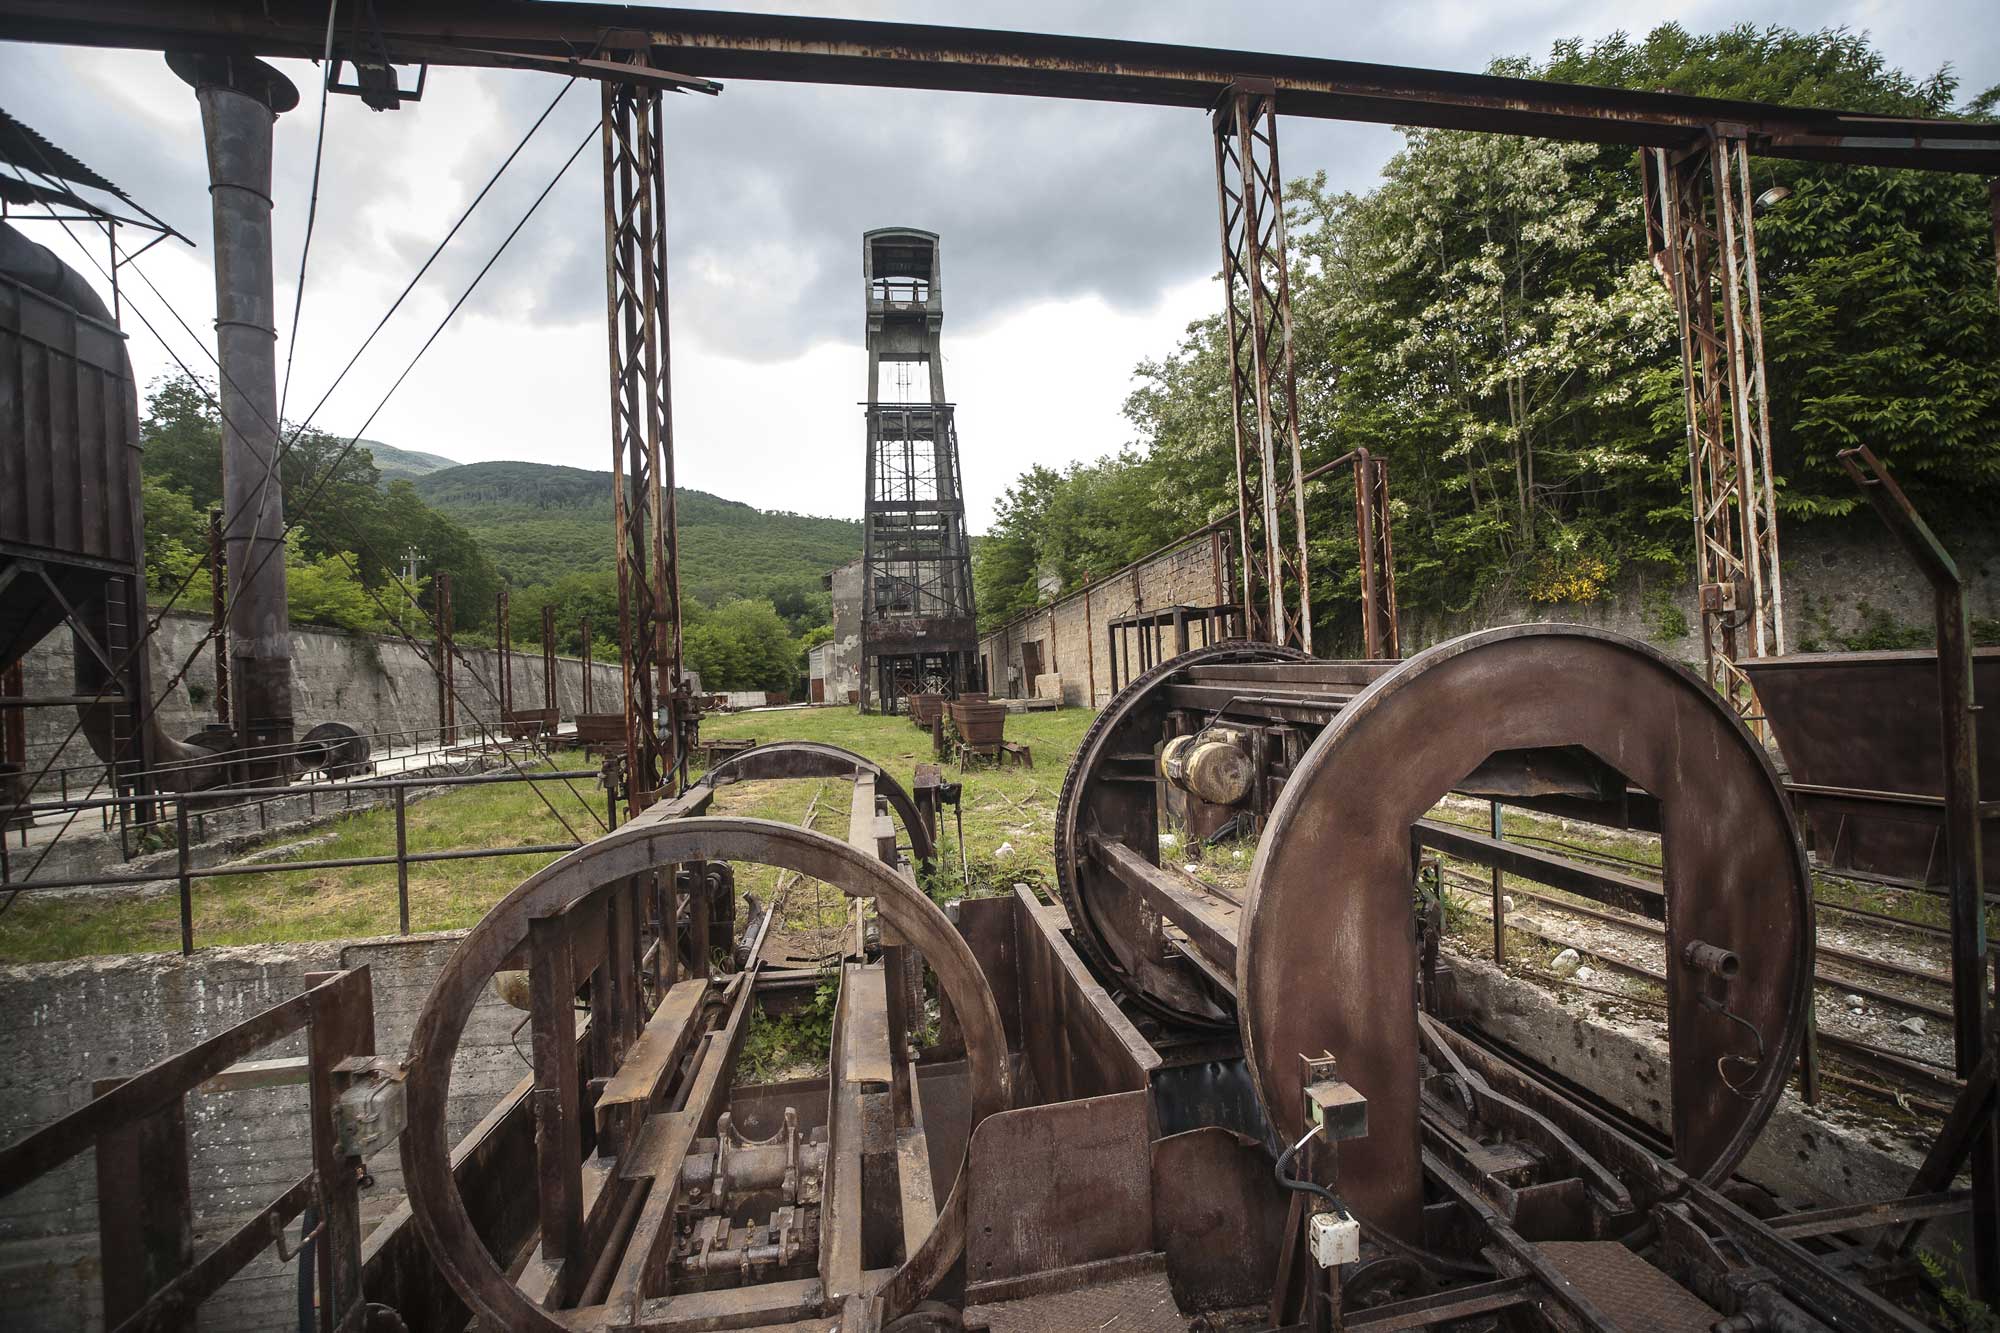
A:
{"points": [[1912, 1081]]}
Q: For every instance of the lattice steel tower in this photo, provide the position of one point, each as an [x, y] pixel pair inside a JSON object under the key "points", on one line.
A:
{"points": [[918, 631]]}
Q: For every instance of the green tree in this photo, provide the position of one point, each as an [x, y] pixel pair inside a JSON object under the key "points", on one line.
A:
{"points": [[742, 646], [1486, 320], [176, 542]]}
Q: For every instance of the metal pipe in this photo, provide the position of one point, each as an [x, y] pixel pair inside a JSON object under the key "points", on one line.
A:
{"points": [[240, 102]]}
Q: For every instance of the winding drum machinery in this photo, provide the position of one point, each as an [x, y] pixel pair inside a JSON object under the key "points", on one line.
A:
{"points": [[1185, 1105]]}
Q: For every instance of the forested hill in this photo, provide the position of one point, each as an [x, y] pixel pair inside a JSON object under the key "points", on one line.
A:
{"points": [[539, 522], [392, 463]]}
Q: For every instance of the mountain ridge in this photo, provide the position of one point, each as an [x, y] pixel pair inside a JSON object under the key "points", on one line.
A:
{"points": [[541, 521]]}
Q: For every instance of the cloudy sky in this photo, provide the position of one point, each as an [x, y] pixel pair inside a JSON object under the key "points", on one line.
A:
{"points": [[1078, 239]]}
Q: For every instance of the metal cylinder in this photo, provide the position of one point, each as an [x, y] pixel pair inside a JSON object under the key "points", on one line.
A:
{"points": [[1711, 958], [1208, 765], [240, 101]]}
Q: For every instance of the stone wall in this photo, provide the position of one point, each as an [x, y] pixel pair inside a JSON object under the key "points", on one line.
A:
{"points": [[1071, 636], [65, 1025], [370, 682]]}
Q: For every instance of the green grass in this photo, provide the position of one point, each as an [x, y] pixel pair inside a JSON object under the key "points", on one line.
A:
{"points": [[1009, 812], [307, 905], [1011, 809]]}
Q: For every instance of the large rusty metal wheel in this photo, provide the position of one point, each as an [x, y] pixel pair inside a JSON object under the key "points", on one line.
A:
{"points": [[1109, 792], [1327, 957], [781, 760], [645, 845]]}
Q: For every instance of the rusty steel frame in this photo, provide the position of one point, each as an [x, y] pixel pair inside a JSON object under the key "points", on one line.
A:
{"points": [[1703, 239], [792, 48], [138, 1128], [1264, 415], [1958, 726], [642, 440]]}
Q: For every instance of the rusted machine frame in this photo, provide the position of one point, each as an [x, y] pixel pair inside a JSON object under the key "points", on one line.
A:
{"points": [[1698, 212], [1264, 415], [541, 920], [782, 760], [138, 1127], [1958, 726], [642, 443]]}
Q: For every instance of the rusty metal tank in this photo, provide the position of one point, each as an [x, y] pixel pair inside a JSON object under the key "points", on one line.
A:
{"points": [[1869, 722]]}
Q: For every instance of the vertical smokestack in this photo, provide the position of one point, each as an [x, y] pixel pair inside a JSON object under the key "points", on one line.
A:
{"points": [[240, 102]]}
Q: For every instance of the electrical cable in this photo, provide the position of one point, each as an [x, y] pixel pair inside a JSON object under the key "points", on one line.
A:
{"points": [[305, 505], [312, 207]]}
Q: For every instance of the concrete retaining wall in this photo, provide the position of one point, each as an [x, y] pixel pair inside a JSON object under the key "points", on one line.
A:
{"points": [[1839, 586], [65, 1025], [370, 682]]}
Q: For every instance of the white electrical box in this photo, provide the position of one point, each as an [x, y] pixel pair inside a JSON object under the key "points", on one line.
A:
{"points": [[1335, 1238]]}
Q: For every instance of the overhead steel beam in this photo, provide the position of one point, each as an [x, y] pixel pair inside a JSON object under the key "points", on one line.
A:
{"points": [[845, 51]]}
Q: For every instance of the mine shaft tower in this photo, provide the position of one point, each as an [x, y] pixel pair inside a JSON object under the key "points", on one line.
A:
{"points": [[918, 631]]}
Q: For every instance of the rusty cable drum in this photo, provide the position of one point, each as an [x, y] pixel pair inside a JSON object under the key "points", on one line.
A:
{"points": [[647, 844], [779, 760], [1108, 792], [1327, 960]]}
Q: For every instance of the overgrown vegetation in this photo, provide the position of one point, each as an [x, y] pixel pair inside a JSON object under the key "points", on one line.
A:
{"points": [[753, 600], [1489, 320], [350, 533]]}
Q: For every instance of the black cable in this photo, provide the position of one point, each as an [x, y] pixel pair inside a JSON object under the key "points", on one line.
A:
{"points": [[312, 207], [1298, 1186], [313, 495]]}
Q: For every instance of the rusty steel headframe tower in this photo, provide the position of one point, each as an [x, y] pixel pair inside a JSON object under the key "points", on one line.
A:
{"points": [[918, 630], [1704, 245], [642, 433]]}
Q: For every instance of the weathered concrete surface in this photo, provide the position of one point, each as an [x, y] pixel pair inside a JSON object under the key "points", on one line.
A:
{"points": [[1839, 587], [370, 682], [1818, 1155], [64, 1025], [843, 650]]}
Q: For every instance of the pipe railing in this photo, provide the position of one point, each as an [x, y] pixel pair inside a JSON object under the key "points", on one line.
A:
{"points": [[185, 872], [113, 813]]}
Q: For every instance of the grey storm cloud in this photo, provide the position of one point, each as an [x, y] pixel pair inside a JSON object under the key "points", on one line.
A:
{"points": [[771, 185]]}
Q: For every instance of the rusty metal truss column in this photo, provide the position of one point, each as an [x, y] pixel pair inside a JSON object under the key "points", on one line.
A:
{"points": [[1381, 633], [642, 447], [1698, 220], [1271, 512]]}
